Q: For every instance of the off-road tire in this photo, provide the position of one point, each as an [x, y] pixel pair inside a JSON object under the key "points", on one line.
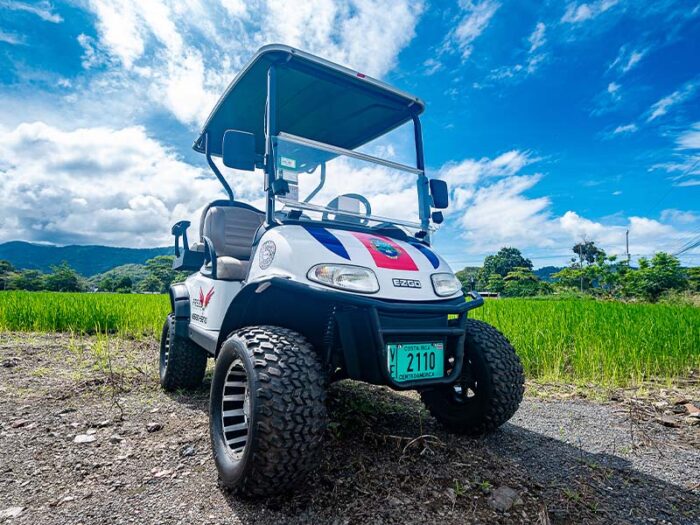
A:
{"points": [[185, 364], [495, 366], [286, 410]]}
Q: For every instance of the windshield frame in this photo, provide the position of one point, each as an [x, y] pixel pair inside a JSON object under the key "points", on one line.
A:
{"points": [[338, 151]]}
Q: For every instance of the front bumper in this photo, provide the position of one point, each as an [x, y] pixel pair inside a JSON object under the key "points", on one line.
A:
{"points": [[358, 329]]}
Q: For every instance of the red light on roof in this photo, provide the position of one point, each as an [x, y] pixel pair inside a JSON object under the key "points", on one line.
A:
{"points": [[361, 75]]}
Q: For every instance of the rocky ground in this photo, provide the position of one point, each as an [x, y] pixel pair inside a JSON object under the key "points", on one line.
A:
{"points": [[87, 437]]}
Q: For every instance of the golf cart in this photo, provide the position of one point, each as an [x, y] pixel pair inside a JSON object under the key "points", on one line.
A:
{"points": [[335, 279]]}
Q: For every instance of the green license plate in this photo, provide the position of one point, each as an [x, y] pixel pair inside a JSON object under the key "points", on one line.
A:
{"points": [[415, 361]]}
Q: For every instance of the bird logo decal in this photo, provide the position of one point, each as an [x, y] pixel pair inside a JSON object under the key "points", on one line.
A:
{"points": [[205, 299]]}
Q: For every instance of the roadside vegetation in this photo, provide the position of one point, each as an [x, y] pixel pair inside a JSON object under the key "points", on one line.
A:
{"points": [[571, 340], [591, 273], [598, 320], [155, 276]]}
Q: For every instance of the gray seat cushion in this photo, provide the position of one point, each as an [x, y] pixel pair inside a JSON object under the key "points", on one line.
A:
{"points": [[231, 230], [231, 269]]}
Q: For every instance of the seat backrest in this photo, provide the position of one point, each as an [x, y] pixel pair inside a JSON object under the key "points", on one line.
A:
{"points": [[231, 229]]}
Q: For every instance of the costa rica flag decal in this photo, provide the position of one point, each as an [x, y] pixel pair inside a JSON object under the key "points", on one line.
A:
{"points": [[386, 253]]}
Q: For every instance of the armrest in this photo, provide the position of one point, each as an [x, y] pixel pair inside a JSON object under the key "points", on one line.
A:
{"points": [[185, 259], [210, 255]]}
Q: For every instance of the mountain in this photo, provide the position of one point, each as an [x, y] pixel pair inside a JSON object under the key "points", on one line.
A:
{"points": [[86, 260]]}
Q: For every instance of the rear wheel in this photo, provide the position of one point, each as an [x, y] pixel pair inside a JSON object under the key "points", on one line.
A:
{"points": [[182, 363], [267, 414], [489, 390]]}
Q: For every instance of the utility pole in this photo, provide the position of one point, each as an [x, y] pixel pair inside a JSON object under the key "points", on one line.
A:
{"points": [[580, 258], [627, 246]]}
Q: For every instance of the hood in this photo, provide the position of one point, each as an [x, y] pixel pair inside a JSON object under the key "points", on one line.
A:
{"points": [[403, 268]]}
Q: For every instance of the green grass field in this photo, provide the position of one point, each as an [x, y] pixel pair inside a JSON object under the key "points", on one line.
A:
{"points": [[571, 340]]}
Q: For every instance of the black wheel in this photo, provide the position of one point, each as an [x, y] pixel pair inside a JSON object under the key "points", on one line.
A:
{"points": [[182, 362], [266, 411], [490, 389]]}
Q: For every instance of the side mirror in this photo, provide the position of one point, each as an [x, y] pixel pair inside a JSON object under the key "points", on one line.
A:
{"points": [[238, 150], [438, 190]]}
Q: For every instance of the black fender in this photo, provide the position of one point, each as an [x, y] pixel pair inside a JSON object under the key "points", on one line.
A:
{"points": [[180, 306], [270, 302]]}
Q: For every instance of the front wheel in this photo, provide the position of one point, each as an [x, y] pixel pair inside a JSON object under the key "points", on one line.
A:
{"points": [[489, 390], [182, 362], [266, 414]]}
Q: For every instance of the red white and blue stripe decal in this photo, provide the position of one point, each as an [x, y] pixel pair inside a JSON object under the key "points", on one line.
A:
{"points": [[386, 253], [428, 254], [329, 240]]}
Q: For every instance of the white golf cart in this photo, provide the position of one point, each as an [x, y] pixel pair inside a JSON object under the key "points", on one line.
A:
{"points": [[334, 279]]}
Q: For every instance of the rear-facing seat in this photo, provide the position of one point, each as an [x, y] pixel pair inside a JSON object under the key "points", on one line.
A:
{"points": [[231, 228]]}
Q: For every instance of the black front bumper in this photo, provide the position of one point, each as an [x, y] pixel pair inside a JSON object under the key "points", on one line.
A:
{"points": [[357, 329], [365, 331]]}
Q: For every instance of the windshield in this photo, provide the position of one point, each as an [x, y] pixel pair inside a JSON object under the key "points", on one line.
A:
{"points": [[330, 184]]}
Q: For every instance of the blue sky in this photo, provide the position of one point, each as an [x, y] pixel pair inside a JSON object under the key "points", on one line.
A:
{"points": [[552, 121]]}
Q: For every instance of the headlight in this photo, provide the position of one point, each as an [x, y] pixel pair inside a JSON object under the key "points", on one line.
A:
{"points": [[445, 284], [345, 277]]}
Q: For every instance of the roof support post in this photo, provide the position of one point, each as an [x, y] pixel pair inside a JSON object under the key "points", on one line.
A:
{"points": [[270, 131], [424, 202], [215, 169]]}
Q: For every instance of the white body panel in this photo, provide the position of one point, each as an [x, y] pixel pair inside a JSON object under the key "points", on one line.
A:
{"points": [[297, 250], [209, 300]]}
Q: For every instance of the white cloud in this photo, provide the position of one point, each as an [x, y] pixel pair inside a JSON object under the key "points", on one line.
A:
{"points": [[432, 66], [537, 38], [680, 216], [625, 61], [474, 19], [689, 139], [491, 207], [42, 9], [534, 58], [470, 171], [184, 54], [11, 38], [624, 129], [613, 90], [661, 107], [577, 13], [100, 185]]}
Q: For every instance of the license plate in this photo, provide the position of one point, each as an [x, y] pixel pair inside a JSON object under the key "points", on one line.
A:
{"points": [[415, 361]]}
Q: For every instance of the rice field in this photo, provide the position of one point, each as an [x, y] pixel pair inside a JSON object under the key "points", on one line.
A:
{"points": [[572, 340]]}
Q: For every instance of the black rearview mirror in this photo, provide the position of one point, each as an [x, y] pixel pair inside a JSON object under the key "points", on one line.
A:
{"points": [[438, 190], [238, 150]]}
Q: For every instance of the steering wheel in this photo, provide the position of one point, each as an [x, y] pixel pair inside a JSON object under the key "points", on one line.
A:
{"points": [[349, 218]]}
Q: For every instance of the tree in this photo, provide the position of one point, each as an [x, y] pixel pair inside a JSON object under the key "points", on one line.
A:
{"points": [[588, 252], [506, 260], [63, 278], [495, 283], [161, 268], [150, 284], [31, 280], [663, 273], [694, 279], [521, 282], [467, 276], [6, 270]]}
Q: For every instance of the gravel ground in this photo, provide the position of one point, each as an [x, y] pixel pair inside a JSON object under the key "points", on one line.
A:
{"points": [[86, 436]]}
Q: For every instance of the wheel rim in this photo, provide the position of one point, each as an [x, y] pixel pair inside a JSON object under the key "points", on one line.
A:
{"points": [[165, 349], [235, 409]]}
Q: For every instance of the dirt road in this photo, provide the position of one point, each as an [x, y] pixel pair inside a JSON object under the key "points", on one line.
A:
{"points": [[87, 437]]}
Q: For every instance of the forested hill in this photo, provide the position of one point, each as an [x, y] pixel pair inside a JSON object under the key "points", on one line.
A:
{"points": [[86, 260]]}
